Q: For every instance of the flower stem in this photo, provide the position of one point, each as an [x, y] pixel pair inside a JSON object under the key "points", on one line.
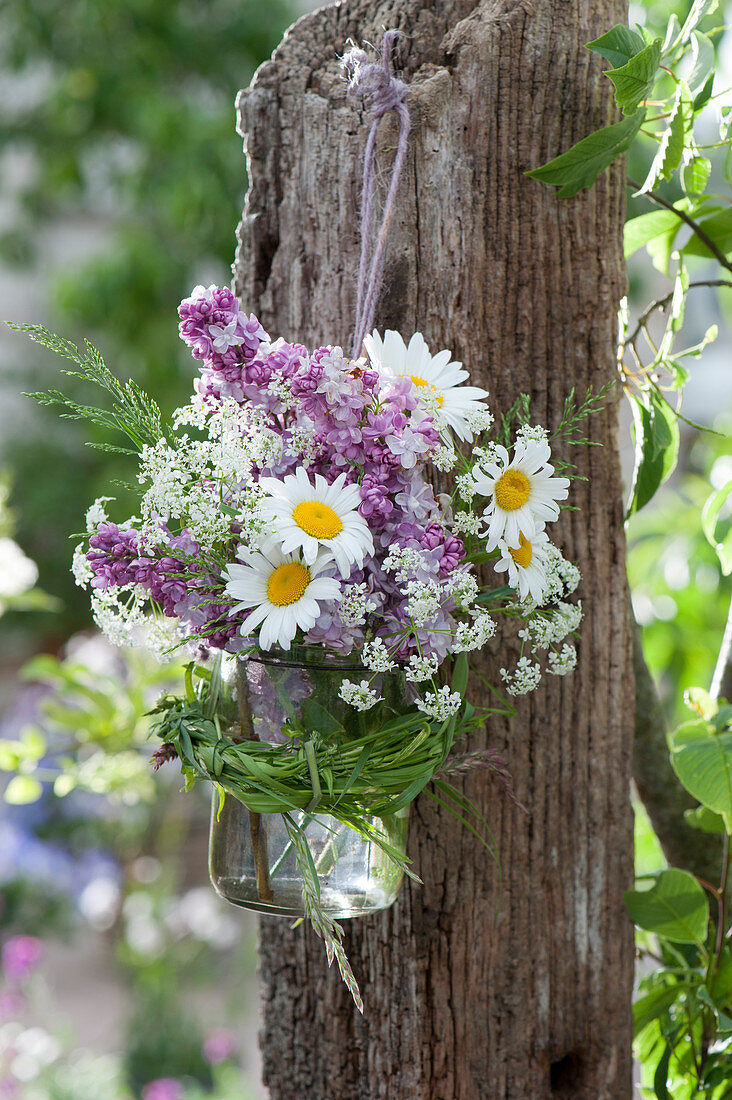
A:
{"points": [[256, 830]]}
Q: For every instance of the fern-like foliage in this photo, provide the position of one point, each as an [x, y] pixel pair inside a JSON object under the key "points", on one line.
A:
{"points": [[133, 412]]}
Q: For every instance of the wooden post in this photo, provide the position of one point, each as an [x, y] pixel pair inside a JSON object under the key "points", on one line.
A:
{"points": [[482, 983]]}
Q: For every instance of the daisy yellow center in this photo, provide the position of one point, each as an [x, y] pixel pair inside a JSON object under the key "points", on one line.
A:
{"points": [[287, 583], [424, 384], [317, 519], [512, 490], [523, 553]]}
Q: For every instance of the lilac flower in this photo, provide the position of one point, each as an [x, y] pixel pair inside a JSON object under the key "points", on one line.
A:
{"points": [[450, 547], [327, 413], [219, 1046], [12, 1004], [215, 329], [331, 632], [114, 557], [408, 444], [375, 504], [416, 496], [224, 337], [20, 955], [164, 1088]]}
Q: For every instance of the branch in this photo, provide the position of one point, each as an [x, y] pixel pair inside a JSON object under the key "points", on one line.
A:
{"points": [[661, 793], [694, 226], [664, 303]]}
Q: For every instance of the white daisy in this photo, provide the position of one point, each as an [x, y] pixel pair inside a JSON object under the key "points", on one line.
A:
{"points": [[435, 376], [310, 516], [284, 593], [526, 564], [522, 493]]}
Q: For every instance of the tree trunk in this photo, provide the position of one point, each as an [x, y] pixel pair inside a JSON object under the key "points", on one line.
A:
{"points": [[481, 983]]}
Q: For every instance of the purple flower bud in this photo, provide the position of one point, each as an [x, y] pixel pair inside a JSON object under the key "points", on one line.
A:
{"points": [[20, 955]]}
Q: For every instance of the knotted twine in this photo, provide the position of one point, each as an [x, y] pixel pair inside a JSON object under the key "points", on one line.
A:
{"points": [[375, 78]]}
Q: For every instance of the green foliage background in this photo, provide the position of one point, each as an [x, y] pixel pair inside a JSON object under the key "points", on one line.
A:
{"points": [[129, 119]]}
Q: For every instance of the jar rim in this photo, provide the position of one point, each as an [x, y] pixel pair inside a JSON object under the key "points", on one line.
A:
{"points": [[316, 657]]}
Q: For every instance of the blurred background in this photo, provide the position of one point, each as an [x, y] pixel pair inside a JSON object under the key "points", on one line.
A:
{"points": [[122, 180]]}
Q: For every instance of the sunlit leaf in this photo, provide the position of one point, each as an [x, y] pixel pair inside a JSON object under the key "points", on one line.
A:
{"points": [[676, 907], [702, 761], [702, 54], [673, 140], [639, 231], [710, 519], [695, 175], [698, 11]]}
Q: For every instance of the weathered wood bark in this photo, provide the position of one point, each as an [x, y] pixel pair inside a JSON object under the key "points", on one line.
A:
{"points": [[479, 984]]}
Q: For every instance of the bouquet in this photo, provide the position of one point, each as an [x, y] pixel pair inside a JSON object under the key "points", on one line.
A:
{"points": [[360, 526]]}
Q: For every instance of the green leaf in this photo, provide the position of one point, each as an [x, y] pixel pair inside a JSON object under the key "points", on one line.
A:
{"points": [[724, 1022], [676, 907], [704, 95], [674, 139], [695, 175], [702, 761], [657, 447], [647, 35], [702, 55], [637, 232], [460, 674], [710, 518], [618, 45], [705, 820], [660, 1077], [649, 1007], [721, 986], [23, 789], [689, 731], [580, 166], [634, 81], [718, 227]]}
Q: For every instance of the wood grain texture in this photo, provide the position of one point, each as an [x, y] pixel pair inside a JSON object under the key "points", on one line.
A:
{"points": [[478, 984]]}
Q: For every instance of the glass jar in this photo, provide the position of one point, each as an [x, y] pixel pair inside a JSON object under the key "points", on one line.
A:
{"points": [[251, 856]]}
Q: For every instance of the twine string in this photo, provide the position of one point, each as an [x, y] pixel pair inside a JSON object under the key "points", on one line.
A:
{"points": [[388, 93]]}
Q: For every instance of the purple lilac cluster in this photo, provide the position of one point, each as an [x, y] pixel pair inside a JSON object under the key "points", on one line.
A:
{"points": [[181, 585], [354, 421]]}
